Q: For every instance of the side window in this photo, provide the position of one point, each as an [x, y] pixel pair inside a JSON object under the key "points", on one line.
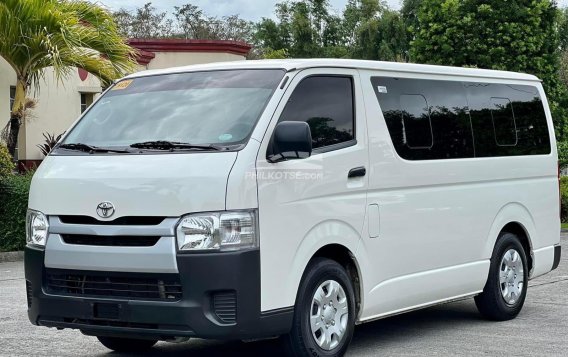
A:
{"points": [[426, 119], [416, 121], [326, 104], [466, 119], [503, 121], [507, 120]]}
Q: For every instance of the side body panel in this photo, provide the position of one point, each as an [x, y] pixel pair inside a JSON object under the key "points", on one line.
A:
{"points": [[307, 204], [439, 219]]}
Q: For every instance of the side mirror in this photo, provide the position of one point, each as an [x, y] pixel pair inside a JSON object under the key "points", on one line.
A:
{"points": [[291, 140]]}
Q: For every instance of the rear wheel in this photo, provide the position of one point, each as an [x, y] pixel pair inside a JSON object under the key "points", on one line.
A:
{"points": [[126, 344], [324, 316], [505, 291]]}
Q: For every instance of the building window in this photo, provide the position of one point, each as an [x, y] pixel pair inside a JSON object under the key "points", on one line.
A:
{"points": [[86, 101], [12, 96]]}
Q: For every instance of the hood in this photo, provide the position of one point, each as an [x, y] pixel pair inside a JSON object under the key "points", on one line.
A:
{"points": [[137, 185]]}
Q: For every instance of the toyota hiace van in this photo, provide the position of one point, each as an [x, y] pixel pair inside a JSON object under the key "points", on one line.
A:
{"points": [[292, 198]]}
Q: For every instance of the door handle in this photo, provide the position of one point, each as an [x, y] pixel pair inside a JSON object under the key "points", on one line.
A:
{"points": [[357, 172]]}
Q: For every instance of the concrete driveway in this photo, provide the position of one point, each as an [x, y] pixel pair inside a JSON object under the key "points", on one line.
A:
{"points": [[450, 330]]}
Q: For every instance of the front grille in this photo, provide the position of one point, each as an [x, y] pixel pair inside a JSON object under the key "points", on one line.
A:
{"points": [[121, 221], [114, 241], [29, 293], [225, 306], [130, 286]]}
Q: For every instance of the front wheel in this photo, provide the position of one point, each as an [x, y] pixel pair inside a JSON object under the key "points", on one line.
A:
{"points": [[324, 316], [126, 344], [506, 288]]}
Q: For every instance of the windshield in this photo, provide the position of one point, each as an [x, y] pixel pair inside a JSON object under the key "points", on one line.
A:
{"points": [[217, 108]]}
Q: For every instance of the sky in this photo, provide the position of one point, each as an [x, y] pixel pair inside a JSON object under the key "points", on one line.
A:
{"points": [[247, 9]]}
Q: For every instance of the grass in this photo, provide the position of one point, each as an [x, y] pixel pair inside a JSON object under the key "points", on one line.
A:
{"points": [[564, 225]]}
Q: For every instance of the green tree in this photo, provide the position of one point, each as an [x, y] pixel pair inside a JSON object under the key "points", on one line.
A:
{"points": [[361, 18], [510, 35], [36, 34], [409, 13], [374, 31], [304, 28], [563, 154], [563, 43], [268, 32], [144, 22], [192, 23], [392, 37], [518, 36]]}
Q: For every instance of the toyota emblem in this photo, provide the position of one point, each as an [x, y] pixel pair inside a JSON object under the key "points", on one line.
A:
{"points": [[105, 209]]}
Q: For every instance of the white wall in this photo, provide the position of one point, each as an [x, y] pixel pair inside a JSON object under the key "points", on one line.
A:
{"points": [[7, 79], [176, 59], [59, 105]]}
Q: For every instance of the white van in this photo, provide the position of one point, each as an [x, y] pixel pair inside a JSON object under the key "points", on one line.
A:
{"points": [[292, 198]]}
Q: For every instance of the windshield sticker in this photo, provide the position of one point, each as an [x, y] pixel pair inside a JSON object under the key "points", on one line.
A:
{"points": [[225, 137], [122, 85], [382, 89]]}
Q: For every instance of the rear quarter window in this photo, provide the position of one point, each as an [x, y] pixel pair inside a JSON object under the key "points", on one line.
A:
{"points": [[435, 119]]}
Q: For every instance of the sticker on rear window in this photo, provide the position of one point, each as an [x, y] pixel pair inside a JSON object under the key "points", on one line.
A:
{"points": [[122, 85]]}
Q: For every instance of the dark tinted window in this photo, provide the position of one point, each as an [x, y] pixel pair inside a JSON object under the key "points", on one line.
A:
{"points": [[507, 120], [426, 119], [326, 104], [417, 126], [467, 119], [503, 121]]}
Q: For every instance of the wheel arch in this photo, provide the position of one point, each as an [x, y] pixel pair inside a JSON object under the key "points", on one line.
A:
{"points": [[519, 230], [334, 240], [513, 218], [344, 257]]}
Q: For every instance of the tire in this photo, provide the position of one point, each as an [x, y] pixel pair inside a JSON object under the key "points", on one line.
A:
{"points": [[301, 341], [126, 344], [492, 303]]}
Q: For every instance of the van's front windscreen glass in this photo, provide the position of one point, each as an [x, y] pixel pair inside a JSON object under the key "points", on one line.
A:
{"points": [[217, 108]]}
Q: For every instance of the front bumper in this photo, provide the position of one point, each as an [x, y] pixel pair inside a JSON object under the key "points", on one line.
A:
{"points": [[202, 276]]}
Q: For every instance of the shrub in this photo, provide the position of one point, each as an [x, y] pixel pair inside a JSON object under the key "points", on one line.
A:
{"points": [[562, 153], [50, 141], [14, 191], [564, 198], [6, 163]]}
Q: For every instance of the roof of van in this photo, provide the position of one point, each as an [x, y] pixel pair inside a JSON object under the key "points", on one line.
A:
{"points": [[299, 64]]}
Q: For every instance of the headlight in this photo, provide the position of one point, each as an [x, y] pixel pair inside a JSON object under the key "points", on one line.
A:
{"points": [[37, 228], [230, 230]]}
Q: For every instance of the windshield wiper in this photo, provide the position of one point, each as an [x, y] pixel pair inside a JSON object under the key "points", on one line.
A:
{"points": [[90, 149], [172, 145]]}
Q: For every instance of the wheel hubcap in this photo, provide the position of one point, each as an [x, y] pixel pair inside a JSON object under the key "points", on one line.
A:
{"points": [[329, 315], [511, 276]]}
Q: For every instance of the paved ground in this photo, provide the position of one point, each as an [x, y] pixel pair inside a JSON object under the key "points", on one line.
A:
{"points": [[454, 329]]}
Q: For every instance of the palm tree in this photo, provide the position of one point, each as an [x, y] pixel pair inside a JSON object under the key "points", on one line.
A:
{"points": [[62, 34]]}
